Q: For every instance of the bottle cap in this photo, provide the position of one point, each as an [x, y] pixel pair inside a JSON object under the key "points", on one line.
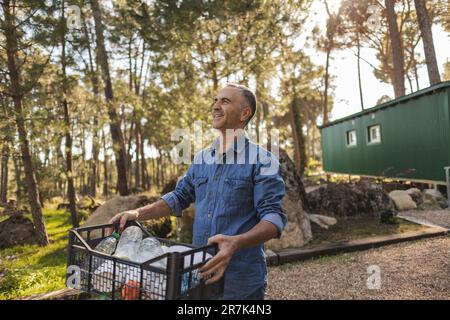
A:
{"points": [[115, 235]]}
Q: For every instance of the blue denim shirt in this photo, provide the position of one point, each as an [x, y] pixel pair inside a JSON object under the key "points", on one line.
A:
{"points": [[230, 199]]}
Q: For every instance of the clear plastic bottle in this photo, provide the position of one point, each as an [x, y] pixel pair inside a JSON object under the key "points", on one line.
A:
{"points": [[129, 242], [150, 248], [108, 245]]}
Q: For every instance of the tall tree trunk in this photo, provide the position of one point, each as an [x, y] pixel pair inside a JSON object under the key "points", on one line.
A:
{"points": [[17, 177], [4, 159], [17, 96], [325, 93], [358, 48], [95, 140], [397, 49], [67, 131], [428, 44], [299, 140], [137, 176], [265, 108], [105, 167], [116, 132], [145, 183]]}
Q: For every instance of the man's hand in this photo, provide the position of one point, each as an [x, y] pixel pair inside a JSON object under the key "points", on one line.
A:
{"points": [[123, 217], [228, 245]]}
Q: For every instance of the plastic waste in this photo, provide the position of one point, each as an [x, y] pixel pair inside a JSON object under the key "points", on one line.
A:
{"points": [[102, 279], [150, 248], [129, 243], [108, 245]]}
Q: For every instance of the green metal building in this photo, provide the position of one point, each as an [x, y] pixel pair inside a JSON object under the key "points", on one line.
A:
{"points": [[406, 139]]}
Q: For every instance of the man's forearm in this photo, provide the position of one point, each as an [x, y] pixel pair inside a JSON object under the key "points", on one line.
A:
{"points": [[154, 210], [262, 232]]}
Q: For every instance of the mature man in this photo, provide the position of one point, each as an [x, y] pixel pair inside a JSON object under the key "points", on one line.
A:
{"points": [[237, 199]]}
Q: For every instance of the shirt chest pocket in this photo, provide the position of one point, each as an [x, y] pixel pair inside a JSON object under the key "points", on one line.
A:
{"points": [[200, 184], [238, 192]]}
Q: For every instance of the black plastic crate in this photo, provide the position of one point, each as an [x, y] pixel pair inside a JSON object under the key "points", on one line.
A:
{"points": [[114, 278]]}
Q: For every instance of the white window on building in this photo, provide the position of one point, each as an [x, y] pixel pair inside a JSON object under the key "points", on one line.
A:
{"points": [[374, 134], [351, 138]]}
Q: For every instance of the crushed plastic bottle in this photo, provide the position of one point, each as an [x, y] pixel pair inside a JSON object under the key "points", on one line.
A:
{"points": [[103, 276], [108, 245], [150, 248], [129, 242]]}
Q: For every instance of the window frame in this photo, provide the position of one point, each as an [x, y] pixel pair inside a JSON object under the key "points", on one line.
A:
{"points": [[370, 140], [347, 138]]}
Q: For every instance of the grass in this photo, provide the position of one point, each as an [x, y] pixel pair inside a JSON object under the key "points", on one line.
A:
{"points": [[31, 269], [360, 227]]}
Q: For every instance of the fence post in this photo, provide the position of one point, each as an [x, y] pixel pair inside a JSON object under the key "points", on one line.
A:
{"points": [[447, 177]]}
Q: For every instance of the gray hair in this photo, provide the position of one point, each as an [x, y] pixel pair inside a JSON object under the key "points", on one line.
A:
{"points": [[249, 97]]}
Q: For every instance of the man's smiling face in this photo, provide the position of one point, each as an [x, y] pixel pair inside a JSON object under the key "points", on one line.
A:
{"points": [[229, 110]]}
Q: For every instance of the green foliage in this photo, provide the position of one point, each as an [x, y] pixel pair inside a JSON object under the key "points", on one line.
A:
{"points": [[32, 269]]}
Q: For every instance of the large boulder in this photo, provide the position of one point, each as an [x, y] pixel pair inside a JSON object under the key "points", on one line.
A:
{"points": [[17, 230], [160, 227], [402, 200], [432, 200], [416, 195], [298, 229], [116, 205], [348, 199]]}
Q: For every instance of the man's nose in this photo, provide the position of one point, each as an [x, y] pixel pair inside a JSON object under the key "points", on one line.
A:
{"points": [[216, 106]]}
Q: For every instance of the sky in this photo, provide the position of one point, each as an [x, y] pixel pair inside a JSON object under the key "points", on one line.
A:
{"points": [[344, 68]]}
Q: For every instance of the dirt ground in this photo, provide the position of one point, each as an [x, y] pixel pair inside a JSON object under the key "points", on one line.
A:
{"points": [[413, 270]]}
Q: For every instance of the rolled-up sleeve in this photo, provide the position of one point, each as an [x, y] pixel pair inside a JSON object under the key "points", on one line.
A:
{"points": [[183, 195], [269, 191]]}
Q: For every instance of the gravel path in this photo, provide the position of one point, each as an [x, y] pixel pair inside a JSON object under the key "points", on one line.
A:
{"points": [[437, 217], [413, 270]]}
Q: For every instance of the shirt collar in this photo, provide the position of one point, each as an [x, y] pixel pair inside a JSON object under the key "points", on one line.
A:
{"points": [[237, 147]]}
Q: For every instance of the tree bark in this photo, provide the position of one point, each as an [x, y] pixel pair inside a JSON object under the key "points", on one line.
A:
{"points": [[105, 166], [397, 50], [95, 141], [4, 156], [116, 132], [358, 48], [17, 178], [428, 44], [325, 93], [137, 171], [299, 140], [145, 182], [17, 96], [67, 131]]}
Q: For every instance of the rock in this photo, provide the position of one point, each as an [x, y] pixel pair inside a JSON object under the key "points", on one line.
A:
{"points": [[290, 238], [416, 195], [298, 229], [349, 199], [322, 221], [116, 205], [402, 200], [432, 200], [434, 193], [17, 230]]}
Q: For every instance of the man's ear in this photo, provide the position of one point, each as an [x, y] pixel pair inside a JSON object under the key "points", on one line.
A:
{"points": [[246, 113]]}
